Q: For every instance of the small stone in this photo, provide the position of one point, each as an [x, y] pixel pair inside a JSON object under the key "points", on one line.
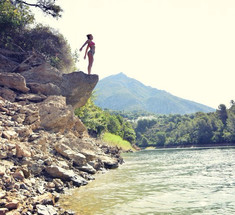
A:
{"points": [[2, 171], [87, 168], [58, 172], [9, 134], [12, 205], [18, 174], [46, 210], [25, 170], [45, 199], [2, 202], [58, 184], [78, 181], [3, 211], [22, 151], [2, 194], [50, 185]]}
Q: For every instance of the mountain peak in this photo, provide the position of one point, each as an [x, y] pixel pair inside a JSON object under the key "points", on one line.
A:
{"points": [[121, 74], [119, 92]]}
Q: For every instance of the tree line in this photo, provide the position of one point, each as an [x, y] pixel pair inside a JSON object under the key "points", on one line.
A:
{"points": [[20, 33], [188, 130]]}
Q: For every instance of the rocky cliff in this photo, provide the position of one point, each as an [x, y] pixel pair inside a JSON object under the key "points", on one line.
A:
{"points": [[44, 147]]}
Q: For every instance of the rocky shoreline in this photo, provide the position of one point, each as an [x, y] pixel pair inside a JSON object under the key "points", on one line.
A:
{"points": [[45, 148]]}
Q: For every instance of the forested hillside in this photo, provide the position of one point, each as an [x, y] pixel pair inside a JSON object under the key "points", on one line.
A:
{"points": [[199, 129]]}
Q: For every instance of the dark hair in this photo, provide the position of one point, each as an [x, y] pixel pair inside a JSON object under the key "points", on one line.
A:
{"points": [[89, 36]]}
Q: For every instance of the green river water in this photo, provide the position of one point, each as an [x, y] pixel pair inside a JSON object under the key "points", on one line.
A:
{"points": [[162, 182]]}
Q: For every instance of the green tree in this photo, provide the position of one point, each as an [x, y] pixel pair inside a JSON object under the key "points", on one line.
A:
{"points": [[16, 35], [51, 44], [229, 132], [161, 138], [232, 108], [114, 125], [222, 113], [98, 121], [13, 17], [144, 142], [129, 132], [12, 21], [47, 6]]}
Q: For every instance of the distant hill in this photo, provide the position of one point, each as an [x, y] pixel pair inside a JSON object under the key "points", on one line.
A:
{"points": [[119, 92]]}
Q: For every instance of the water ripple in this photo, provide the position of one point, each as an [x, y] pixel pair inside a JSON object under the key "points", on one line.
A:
{"points": [[162, 182]]}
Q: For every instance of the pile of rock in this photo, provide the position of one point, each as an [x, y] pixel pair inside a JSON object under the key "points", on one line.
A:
{"points": [[44, 147]]}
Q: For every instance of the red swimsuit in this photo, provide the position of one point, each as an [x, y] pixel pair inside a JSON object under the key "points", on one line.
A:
{"points": [[90, 44]]}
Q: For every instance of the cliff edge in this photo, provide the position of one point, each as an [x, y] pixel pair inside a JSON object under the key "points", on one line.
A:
{"points": [[44, 147]]}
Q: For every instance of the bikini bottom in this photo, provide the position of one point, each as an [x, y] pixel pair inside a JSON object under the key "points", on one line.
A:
{"points": [[92, 52]]}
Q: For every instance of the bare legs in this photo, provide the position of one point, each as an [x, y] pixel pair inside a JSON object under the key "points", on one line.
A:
{"points": [[90, 62]]}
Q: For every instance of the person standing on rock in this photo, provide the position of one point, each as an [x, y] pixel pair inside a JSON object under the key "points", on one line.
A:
{"points": [[90, 44]]}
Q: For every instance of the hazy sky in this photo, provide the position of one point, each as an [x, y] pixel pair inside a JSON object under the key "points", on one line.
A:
{"points": [[185, 47]]}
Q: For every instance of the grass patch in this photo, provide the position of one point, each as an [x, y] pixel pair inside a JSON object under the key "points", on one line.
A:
{"points": [[114, 140]]}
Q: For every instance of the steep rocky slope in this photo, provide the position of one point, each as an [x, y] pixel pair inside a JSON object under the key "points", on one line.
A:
{"points": [[44, 147]]}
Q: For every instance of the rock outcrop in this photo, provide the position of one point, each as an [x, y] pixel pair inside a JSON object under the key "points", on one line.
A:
{"points": [[44, 147], [76, 87]]}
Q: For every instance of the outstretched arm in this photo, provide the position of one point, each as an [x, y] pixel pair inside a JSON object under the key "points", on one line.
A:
{"points": [[83, 45]]}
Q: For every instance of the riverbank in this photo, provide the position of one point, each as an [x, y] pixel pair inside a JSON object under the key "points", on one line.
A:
{"points": [[45, 148], [218, 145], [36, 166]]}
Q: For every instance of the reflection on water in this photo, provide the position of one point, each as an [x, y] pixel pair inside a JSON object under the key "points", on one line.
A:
{"points": [[162, 182]]}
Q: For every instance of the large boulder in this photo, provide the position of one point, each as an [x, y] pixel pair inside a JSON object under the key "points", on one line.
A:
{"points": [[14, 81], [65, 175], [109, 162], [56, 116], [76, 86], [43, 74], [7, 94], [45, 89], [78, 158]]}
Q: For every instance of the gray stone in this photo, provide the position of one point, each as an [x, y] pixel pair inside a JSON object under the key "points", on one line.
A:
{"points": [[31, 97], [66, 175], [78, 181], [7, 94], [45, 89], [9, 134], [77, 88], [3, 211], [46, 210], [13, 81], [43, 74], [57, 116], [87, 168], [66, 151], [61, 173], [109, 163]]}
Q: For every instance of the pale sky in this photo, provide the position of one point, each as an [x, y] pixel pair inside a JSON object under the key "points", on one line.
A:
{"points": [[185, 47]]}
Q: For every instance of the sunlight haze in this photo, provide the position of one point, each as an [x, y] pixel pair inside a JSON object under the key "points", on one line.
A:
{"points": [[185, 47]]}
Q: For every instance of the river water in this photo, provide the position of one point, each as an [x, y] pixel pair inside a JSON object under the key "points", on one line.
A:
{"points": [[162, 182]]}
